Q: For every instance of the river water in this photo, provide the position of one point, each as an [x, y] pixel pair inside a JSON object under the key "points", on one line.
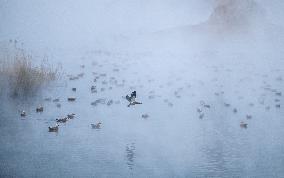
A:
{"points": [[174, 141]]}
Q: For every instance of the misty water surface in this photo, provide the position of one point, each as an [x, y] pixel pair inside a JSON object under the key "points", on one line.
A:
{"points": [[197, 76]]}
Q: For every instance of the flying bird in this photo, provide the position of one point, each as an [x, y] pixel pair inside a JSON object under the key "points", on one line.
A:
{"points": [[132, 98]]}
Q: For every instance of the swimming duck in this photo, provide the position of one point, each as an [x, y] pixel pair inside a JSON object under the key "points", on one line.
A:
{"points": [[110, 102], [23, 113], [73, 78], [243, 125], [39, 109], [62, 120], [47, 99], [202, 103], [199, 110], [71, 99], [81, 74], [71, 116], [170, 104], [145, 116], [56, 100], [206, 105], [96, 126], [53, 129], [227, 104], [93, 89], [249, 116]]}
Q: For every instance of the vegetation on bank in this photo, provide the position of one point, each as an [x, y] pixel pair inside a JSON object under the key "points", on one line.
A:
{"points": [[21, 74]]}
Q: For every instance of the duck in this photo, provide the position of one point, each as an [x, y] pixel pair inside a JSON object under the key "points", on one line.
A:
{"points": [[23, 113], [206, 105], [203, 104], [53, 129], [243, 125], [81, 74], [71, 116], [249, 116], [56, 100], [47, 99], [170, 104], [251, 104], [227, 104], [93, 89], [110, 102], [145, 116], [73, 78], [199, 110], [62, 120], [96, 126], [71, 99], [39, 109]]}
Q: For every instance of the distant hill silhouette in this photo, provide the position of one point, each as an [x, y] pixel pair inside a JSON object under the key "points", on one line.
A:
{"points": [[234, 15], [231, 22], [228, 16]]}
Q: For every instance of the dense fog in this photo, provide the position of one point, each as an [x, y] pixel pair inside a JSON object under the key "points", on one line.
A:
{"points": [[53, 24], [209, 75]]}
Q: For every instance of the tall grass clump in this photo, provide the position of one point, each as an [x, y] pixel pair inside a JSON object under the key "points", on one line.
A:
{"points": [[20, 75]]}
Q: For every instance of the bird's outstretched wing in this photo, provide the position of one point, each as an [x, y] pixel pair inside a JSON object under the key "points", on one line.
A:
{"points": [[133, 94], [135, 102], [128, 98]]}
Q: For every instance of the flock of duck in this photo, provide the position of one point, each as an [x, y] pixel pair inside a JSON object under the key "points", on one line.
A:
{"points": [[130, 98], [58, 120], [201, 110]]}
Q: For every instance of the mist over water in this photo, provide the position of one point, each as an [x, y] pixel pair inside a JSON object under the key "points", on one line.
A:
{"points": [[209, 74]]}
